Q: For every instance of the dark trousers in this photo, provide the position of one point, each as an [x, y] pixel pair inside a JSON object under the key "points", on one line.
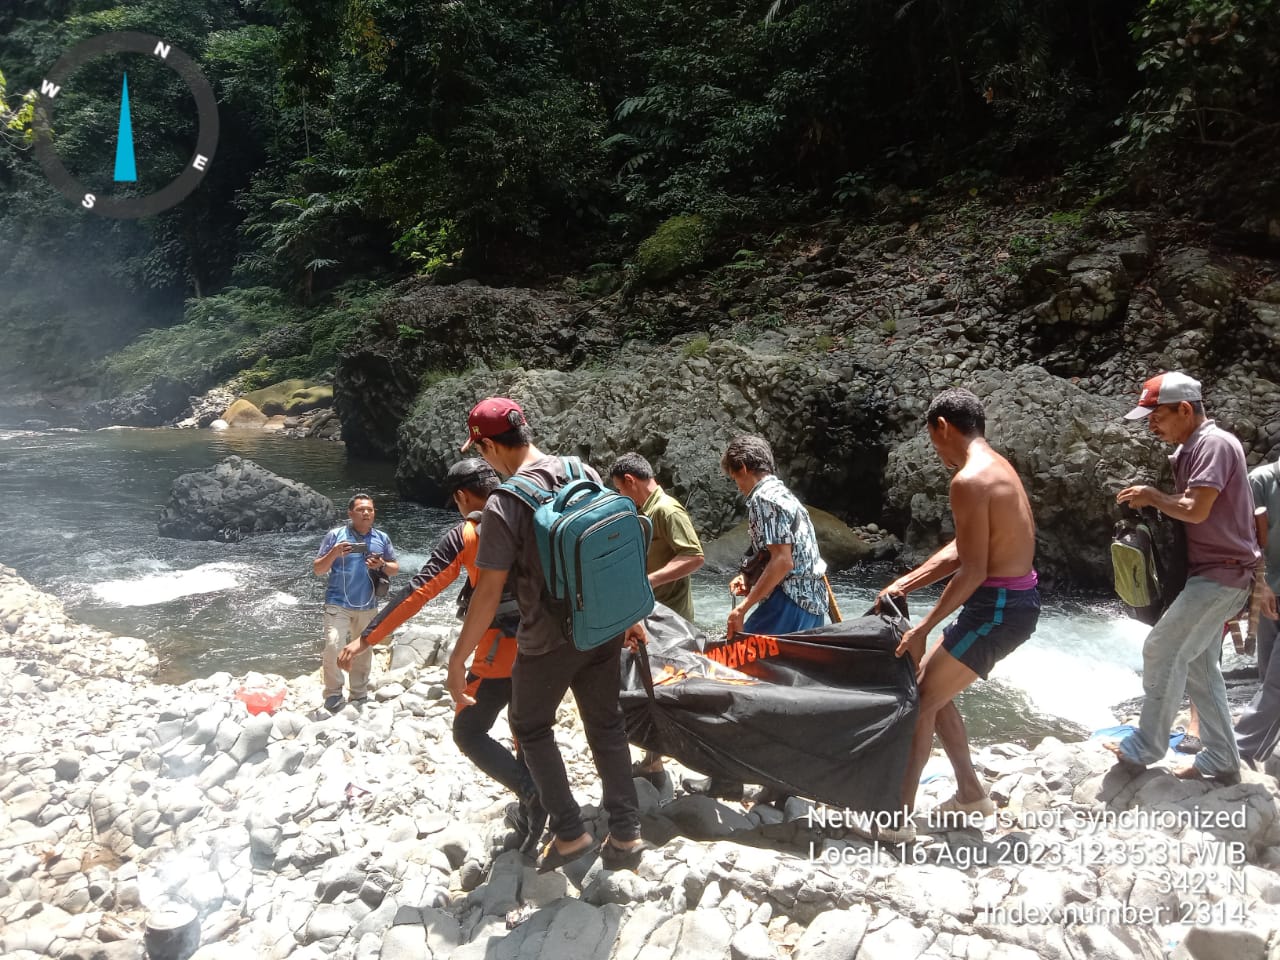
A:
{"points": [[1258, 729], [539, 684], [471, 727]]}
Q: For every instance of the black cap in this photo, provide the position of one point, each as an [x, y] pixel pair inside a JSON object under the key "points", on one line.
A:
{"points": [[466, 473]]}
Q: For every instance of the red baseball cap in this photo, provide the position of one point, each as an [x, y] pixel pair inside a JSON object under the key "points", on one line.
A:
{"points": [[1165, 388], [492, 416]]}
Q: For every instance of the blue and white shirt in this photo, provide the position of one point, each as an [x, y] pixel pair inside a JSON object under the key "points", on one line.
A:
{"points": [[350, 585], [774, 515]]}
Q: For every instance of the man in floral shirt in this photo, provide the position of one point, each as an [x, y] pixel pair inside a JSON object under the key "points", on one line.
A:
{"points": [[790, 594]]}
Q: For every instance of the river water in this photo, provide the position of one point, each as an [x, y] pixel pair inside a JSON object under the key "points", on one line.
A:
{"points": [[80, 522]]}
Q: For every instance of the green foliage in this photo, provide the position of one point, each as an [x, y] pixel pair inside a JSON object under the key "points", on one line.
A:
{"points": [[824, 343], [697, 347], [852, 190], [747, 260], [364, 139], [210, 343], [429, 248], [254, 331], [676, 247], [1211, 72], [16, 118]]}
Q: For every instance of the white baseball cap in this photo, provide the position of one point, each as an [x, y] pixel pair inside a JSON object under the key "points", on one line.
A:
{"points": [[1165, 388]]}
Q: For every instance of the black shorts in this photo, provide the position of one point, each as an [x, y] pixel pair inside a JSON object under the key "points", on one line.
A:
{"points": [[993, 623]]}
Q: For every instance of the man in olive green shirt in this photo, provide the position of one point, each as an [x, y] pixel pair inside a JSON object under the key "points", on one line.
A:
{"points": [[676, 550], [674, 554]]}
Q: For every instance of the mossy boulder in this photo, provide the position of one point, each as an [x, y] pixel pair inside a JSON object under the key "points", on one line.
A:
{"points": [[288, 398], [244, 413], [676, 247]]}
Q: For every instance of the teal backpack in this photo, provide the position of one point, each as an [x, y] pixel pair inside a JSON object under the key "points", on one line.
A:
{"points": [[593, 546]]}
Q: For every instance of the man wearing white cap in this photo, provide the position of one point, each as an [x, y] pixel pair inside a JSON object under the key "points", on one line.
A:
{"points": [[1212, 498]]}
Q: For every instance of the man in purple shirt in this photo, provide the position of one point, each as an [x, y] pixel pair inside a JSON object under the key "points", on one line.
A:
{"points": [[1212, 498]]}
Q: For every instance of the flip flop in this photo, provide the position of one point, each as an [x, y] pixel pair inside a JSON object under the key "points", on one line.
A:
{"points": [[985, 806], [619, 858], [553, 859]]}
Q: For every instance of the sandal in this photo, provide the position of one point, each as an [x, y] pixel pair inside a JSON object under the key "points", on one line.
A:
{"points": [[553, 859], [615, 857]]}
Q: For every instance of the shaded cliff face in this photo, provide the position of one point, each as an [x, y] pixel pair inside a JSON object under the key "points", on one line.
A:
{"points": [[818, 413], [426, 330], [832, 349]]}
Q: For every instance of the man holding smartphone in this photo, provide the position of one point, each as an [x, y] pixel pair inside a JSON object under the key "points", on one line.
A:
{"points": [[349, 554]]}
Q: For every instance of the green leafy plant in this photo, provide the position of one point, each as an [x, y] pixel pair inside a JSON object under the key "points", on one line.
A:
{"points": [[430, 247], [852, 189], [747, 260], [1210, 71], [697, 347]]}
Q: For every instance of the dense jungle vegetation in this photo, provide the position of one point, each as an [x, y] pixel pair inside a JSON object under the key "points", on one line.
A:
{"points": [[363, 141]]}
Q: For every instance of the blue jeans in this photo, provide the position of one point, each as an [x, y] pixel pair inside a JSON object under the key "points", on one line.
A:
{"points": [[1182, 653], [1259, 728]]}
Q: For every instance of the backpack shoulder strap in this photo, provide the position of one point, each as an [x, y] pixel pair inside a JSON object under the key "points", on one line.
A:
{"points": [[533, 494], [573, 468], [470, 533]]}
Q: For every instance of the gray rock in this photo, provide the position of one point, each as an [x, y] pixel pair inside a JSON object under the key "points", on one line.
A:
{"points": [[120, 950], [27, 806], [254, 736], [328, 920], [455, 843], [67, 767], [897, 939], [752, 943], [1204, 943], [502, 888], [236, 498], [220, 769], [833, 935], [404, 943], [703, 818], [704, 933]]}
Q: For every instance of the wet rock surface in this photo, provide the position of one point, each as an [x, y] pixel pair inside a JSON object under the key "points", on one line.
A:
{"points": [[366, 835], [236, 498]]}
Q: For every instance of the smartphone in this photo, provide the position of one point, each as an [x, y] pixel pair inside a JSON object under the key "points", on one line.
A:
{"points": [[359, 546]]}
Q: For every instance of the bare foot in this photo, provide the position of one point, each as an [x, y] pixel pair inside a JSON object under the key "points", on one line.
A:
{"points": [[1123, 759]]}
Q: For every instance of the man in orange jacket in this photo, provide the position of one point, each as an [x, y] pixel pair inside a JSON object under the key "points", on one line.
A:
{"points": [[489, 675]]}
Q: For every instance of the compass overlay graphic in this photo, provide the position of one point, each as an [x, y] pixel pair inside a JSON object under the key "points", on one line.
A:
{"points": [[95, 200]]}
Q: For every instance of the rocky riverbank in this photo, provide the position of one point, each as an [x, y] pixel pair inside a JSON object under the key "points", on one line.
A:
{"points": [[366, 835]]}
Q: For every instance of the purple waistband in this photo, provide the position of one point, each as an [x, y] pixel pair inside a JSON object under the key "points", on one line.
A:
{"points": [[1024, 582]]}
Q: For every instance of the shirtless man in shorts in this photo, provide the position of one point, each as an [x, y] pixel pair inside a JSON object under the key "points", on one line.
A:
{"points": [[993, 585]]}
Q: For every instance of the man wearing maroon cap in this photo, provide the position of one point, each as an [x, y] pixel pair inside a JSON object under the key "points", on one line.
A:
{"points": [[1212, 498], [547, 664]]}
